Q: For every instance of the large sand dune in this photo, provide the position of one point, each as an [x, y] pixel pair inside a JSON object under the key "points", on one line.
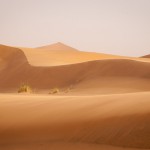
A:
{"points": [[60, 54], [118, 74], [106, 107]]}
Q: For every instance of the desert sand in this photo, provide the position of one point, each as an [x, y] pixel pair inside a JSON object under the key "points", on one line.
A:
{"points": [[60, 54], [103, 103], [146, 56]]}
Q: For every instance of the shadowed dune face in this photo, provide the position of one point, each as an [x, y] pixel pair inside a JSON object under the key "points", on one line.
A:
{"points": [[10, 55], [113, 73]]}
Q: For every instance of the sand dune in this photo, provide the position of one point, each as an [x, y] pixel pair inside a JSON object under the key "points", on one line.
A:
{"points": [[10, 54], [57, 47], [106, 107], [60, 54], [100, 74], [117, 120], [146, 56]]}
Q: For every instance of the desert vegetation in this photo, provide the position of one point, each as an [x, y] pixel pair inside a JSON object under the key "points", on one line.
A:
{"points": [[25, 88], [54, 91]]}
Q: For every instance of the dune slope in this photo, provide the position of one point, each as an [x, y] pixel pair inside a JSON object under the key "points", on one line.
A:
{"points": [[92, 74], [60, 54], [118, 120], [146, 56]]}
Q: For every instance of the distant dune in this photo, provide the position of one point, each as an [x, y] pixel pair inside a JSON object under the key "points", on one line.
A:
{"points": [[103, 101], [57, 47], [146, 56], [60, 54]]}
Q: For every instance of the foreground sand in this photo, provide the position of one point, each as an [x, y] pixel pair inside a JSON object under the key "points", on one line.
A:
{"points": [[64, 146], [75, 122]]}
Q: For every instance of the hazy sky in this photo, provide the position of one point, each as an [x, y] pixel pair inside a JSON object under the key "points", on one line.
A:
{"points": [[108, 26]]}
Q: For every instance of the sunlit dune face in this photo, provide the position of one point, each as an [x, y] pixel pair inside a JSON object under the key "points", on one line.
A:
{"points": [[60, 54]]}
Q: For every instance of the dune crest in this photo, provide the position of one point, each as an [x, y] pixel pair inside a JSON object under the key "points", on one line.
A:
{"points": [[60, 54], [57, 47]]}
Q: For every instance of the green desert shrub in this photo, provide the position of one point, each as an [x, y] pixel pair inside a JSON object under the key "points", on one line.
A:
{"points": [[54, 91], [25, 88]]}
